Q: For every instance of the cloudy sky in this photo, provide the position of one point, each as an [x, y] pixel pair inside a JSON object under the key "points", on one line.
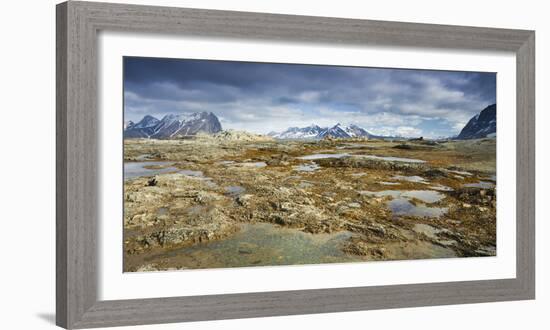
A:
{"points": [[262, 97]]}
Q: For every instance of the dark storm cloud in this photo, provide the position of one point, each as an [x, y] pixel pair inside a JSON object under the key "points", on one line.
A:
{"points": [[263, 97], [239, 76]]}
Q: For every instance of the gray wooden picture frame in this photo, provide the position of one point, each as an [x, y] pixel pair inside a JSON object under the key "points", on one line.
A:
{"points": [[78, 24]]}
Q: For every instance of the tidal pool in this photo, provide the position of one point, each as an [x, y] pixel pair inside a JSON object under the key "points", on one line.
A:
{"points": [[143, 157], [261, 244], [383, 193], [461, 173], [310, 167], [393, 159], [234, 190], [427, 196], [323, 156], [401, 202], [481, 184], [244, 164], [402, 206], [354, 146], [252, 164], [137, 169], [412, 178], [440, 187]]}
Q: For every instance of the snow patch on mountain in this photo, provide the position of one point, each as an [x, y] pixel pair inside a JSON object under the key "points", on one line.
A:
{"points": [[316, 132], [174, 125], [482, 125]]}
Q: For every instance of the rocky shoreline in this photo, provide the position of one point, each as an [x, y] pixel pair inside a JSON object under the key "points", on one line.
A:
{"points": [[397, 200]]}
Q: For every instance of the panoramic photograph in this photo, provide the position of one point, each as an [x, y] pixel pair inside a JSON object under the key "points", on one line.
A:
{"points": [[246, 164]]}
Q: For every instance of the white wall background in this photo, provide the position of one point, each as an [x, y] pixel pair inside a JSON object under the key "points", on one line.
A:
{"points": [[27, 167]]}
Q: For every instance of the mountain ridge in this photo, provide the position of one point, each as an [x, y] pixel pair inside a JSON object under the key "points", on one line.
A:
{"points": [[173, 125], [314, 132], [481, 125]]}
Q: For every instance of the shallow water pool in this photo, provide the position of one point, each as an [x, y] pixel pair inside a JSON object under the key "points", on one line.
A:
{"points": [[262, 244], [323, 156], [138, 169]]}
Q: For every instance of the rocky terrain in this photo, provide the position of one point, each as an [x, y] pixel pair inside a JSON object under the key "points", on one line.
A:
{"points": [[235, 136], [237, 199]]}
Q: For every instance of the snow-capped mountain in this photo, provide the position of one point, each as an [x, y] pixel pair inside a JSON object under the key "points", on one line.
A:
{"points": [[315, 132], [146, 122], [335, 131], [356, 131], [309, 132], [172, 126], [128, 123], [142, 129], [481, 125]]}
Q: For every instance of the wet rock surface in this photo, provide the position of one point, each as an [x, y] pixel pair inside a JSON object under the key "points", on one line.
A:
{"points": [[196, 195]]}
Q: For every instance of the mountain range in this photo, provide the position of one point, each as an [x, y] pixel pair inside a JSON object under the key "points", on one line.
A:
{"points": [[172, 126], [316, 132], [482, 125]]}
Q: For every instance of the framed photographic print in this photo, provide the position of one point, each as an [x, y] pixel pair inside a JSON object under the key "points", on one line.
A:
{"points": [[216, 165]]}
